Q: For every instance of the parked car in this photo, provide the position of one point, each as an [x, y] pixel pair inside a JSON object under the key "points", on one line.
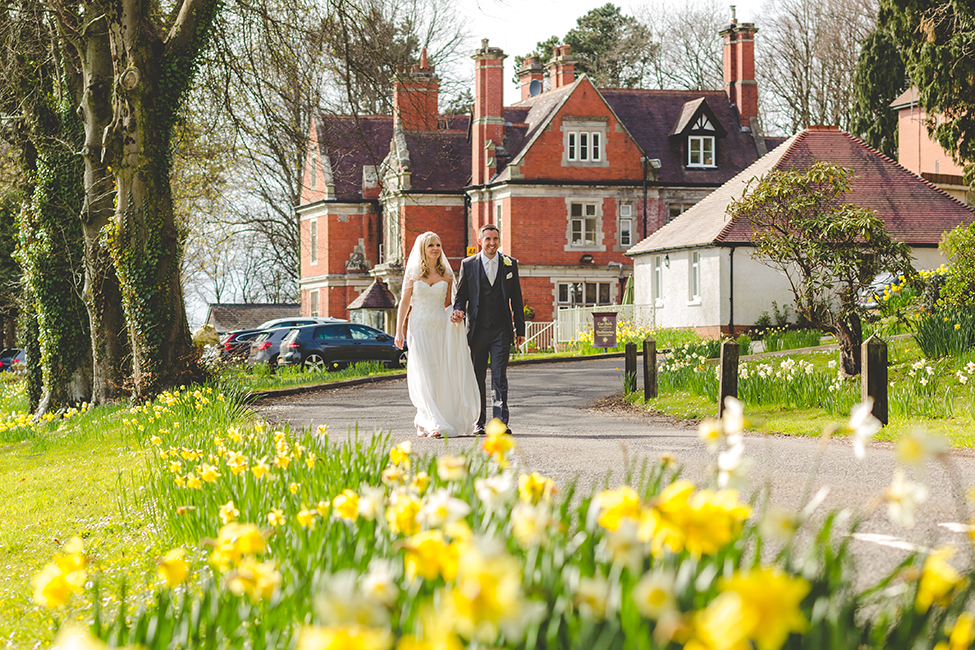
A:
{"points": [[236, 346], [12, 359], [264, 347], [338, 344]]}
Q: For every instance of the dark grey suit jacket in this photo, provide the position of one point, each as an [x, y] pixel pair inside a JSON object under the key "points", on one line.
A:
{"points": [[469, 291]]}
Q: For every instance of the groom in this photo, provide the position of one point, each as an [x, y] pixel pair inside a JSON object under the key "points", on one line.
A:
{"points": [[489, 293]]}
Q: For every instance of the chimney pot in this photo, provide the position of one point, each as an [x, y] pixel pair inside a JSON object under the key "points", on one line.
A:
{"points": [[484, 43], [423, 59]]}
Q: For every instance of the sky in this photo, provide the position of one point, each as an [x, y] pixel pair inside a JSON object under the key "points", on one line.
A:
{"points": [[517, 26]]}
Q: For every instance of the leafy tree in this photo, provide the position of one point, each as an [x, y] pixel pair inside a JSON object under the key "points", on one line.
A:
{"points": [[830, 252], [614, 49], [958, 246], [935, 37], [879, 80]]}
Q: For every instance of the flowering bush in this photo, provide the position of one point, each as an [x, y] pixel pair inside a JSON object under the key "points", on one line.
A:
{"points": [[291, 540]]}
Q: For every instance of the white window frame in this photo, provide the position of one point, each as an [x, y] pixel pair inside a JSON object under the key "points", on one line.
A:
{"points": [[588, 213], [696, 147], [313, 302], [498, 212], [313, 165], [658, 280], [694, 278], [625, 225], [313, 241], [584, 146]]}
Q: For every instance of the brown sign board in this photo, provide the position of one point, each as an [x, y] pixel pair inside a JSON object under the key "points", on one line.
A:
{"points": [[604, 329]]}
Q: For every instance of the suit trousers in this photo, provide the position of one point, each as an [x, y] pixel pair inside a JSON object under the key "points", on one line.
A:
{"points": [[491, 344]]}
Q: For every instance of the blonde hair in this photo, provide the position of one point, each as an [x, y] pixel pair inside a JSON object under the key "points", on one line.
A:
{"points": [[425, 240]]}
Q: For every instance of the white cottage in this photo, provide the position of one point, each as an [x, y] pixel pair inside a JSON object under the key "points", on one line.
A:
{"points": [[698, 270]]}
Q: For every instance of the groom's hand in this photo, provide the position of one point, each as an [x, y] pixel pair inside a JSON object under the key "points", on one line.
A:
{"points": [[519, 340], [457, 316]]}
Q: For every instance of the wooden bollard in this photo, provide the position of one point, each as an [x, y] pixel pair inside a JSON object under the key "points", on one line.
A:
{"points": [[629, 369], [873, 375], [728, 377], [649, 369]]}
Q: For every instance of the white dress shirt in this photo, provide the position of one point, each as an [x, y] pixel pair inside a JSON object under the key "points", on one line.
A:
{"points": [[491, 266]]}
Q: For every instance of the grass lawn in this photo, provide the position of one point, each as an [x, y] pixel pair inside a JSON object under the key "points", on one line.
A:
{"points": [[54, 489]]}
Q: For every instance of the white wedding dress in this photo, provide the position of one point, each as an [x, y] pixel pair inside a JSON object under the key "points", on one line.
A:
{"points": [[439, 372]]}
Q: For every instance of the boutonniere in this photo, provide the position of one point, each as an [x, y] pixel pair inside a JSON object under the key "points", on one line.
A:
{"points": [[507, 261]]}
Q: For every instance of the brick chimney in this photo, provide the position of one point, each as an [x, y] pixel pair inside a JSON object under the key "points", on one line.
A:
{"points": [[488, 129], [531, 70], [562, 67], [415, 95], [739, 67]]}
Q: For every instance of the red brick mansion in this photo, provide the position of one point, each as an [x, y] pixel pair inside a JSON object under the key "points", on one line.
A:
{"points": [[572, 174]]}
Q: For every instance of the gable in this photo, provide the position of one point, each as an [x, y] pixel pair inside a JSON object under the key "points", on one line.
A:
{"points": [[697, 118], [560, 138]]}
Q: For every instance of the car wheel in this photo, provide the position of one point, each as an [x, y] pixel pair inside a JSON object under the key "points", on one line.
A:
{"points": [[401, 361], [314, 362]]}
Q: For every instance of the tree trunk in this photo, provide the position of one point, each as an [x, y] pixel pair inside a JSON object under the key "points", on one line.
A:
{"points": [[849, 335], [102, 293], [151, 77]]}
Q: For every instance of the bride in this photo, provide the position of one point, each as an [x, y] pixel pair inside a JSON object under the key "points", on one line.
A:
{"points": [[439, 373]]}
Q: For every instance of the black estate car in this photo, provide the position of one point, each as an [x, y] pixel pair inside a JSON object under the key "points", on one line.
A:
{"points": [[317, 347]]}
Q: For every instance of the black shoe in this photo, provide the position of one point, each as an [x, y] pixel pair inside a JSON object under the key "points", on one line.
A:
{"points": [[478, 431], [509, 431]]}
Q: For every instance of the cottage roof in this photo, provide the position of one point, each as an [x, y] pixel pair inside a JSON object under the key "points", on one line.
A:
{"points": [[227, 317], [913, 209], [376, 296], [349, 144], [907, 98]]}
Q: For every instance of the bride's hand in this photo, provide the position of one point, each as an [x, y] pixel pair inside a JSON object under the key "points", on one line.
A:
{"points": [[398, 341]]}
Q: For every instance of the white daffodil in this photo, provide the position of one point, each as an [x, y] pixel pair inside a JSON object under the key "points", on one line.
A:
{"points": [[864, 426], [593, 597], [496, 491], [919, 445], [623, 547], [902, 498], [380, 583], [733, 417], [371, 502], [709, 431], [654, 594], [530, 523], [733, 467], [440, 508]]}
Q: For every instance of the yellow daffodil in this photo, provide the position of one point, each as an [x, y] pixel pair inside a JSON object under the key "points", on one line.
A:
{"points": [[939, 580], [770, 600], [394, 475], [534, 488], [261, 468], [616, 505], [344, 637], [228, 512], [193, 482], [258, 580], [432, 633], [173, 568], [282, 461], [401, 514], [961, 635], [428, 555], [400, 454], [310, 460], [156, 440], [322, 507], [702, 522], [234, 541], [420, 482], [306, 518], [209, 473], [531, 523], [498, 442], [276, 518], [452, 468], [346, 505], [294, 487]]}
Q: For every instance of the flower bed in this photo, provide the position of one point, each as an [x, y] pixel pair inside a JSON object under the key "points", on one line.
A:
{"points": [[290, 539]]}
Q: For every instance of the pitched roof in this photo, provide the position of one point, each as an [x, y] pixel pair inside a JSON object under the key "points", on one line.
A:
{"points": [[905, 99], [651, 115], [376, 296], [913, 210], [226, 317], [351, 143], [440, 161]]}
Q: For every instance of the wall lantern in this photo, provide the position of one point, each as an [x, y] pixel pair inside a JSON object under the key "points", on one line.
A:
{"points": [[667, 261], [585, 259]]}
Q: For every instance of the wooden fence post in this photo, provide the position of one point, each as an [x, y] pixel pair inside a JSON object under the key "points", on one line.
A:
{"points": [[629, 371], [728, 375], [649, 369], [873, 375]]}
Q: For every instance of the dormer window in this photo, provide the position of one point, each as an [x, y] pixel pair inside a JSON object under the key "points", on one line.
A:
{"points": [[700, 151]]}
